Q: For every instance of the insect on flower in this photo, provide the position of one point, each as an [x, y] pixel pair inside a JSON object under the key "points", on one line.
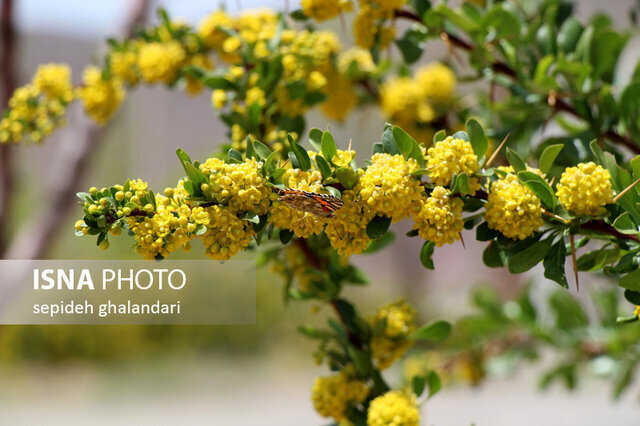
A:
{"points": [[321, 205]]}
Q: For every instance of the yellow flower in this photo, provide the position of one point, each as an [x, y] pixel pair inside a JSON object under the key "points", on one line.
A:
{"points": [[365, 28], [210, 31], [309, 51], [159, 62], [437, 82], [322, 10], [585, 190], [513, 209], [54, 80], [394, 408], [255, 95], [100, 97], [402, 102], [123, 65], [226, 234], [332, 395], [636, 311], [347, 230], [440, 217], [356, 59], [218, 98], [341, 97], [451, 156], [240, 186], [194, 85], [302, 224], [343, 158], [397, 320], [388, 188]]}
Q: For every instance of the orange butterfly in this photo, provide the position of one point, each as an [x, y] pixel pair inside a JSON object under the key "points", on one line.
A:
{"points": [[321, 205]]}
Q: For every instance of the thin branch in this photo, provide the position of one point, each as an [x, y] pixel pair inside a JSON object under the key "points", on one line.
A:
{"points": [[600, 225], [8, 85]]}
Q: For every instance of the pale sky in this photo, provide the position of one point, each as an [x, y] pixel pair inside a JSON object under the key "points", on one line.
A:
{"points": [[99, 18]]}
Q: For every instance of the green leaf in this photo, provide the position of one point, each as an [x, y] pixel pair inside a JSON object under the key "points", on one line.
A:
{"points": [[597, 152], [251, 150], [418, 384], [184, 159], [433, 379], [529, 257], [315, 139], [389, 142], [425, 254], [549, 156], [439, 136], [328, 146], [434, 331], [378, 226], [631, 281], [251, 217], [477, 138], [262, 150], [361, 360], [632, 296], [554, 264], [301, 154], [270, 163], [234, 156], [625, 225], [540, 187], [403, 141], [323, 166], [569, 34], [411, 49], [516, 161], [461, 185], [461, 135], [380, 243], [285, 236], [217, 82], [347, 177], [494, 256]]}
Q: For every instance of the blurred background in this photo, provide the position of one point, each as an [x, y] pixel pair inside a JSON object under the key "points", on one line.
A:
{"points": [[240, 375]]}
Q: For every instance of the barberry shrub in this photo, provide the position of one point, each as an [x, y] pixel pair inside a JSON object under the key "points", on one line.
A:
{"points": [[443, 163]]}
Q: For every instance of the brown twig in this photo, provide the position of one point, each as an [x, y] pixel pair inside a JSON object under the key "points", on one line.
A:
{"points": [[600, 225], [8, 84]]}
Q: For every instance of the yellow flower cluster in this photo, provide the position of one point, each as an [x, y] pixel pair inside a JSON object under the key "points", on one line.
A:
{"points": [[100, 96], [341, 97], [159, 62], [394, 408], [296, 264], [332, 395], [436, 82], [240, 186], [347, 230], [413, 103], [54, 80], [585, 189], [322, 10], [309, 51], [397, 320], [194, 85], [355, 61], [36, 109], [161, 230], [123, 65], [452, 156], [440, 217], [226, 234], [211, 29], [302, 224], [388, 188], [512, 208], [371, 23], [636, 311]]}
